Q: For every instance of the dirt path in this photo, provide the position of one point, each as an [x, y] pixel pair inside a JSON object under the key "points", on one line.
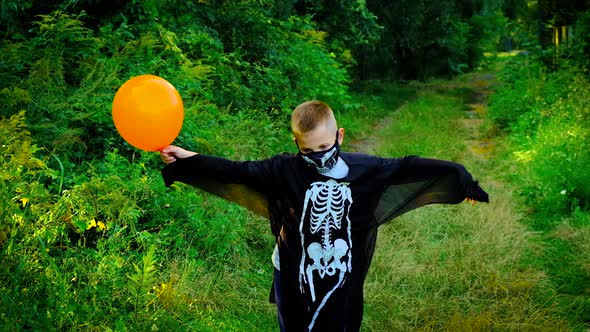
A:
{"points": [[479, 86], [368, 143], [479, 146]]}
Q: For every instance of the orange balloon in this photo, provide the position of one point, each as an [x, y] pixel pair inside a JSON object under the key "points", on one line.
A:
{"points": [[148, 112]]}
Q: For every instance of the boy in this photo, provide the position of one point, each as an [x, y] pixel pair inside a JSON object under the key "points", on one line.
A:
{"points": [[325, 208]]}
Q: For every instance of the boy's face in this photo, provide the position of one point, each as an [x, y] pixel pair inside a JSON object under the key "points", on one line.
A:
{"points": [[320, 139]]}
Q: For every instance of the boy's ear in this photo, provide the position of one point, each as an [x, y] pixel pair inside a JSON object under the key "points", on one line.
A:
{"points": [[340, 136]]}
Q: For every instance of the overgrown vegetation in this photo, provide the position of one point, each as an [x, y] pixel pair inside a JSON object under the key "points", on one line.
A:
{"points": [[543, 109], [547, 115], [90, 239]]}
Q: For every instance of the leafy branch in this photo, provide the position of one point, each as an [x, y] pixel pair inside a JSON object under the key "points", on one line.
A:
{"points": [[139, 284]]}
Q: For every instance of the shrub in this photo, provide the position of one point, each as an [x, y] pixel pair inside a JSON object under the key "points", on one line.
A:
{"points": [[547, 115]]}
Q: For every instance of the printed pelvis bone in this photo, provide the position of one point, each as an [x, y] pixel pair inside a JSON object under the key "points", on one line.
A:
{"points": [[328, 204]]}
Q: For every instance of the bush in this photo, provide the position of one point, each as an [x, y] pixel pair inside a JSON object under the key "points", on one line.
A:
{"points": [[547, 115], [74, 257], [559, 153]]}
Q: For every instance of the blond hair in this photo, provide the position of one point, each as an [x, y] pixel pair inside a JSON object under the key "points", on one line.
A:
{"points": [[307, 116]]}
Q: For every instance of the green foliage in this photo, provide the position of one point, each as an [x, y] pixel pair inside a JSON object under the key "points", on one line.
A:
{"points": [[349, 25], [546, 114], [425, 39], [458, 42], [142, 280], [63, 49], [581, 42], [24, 254], [269, 64], [83, 207], [486, 32], [265, 65], [67, 256], [11, 13], [349, 21]]}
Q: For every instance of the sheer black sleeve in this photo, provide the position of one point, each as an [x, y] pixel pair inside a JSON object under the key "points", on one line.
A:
{"points": [[415, 182], [246, 183]]}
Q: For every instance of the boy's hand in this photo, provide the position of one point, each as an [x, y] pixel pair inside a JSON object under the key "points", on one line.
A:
{"points": [[171, 152], [471, 200]]}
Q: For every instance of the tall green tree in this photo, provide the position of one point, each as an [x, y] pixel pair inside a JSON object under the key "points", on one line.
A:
{"points": [[423, 38]]}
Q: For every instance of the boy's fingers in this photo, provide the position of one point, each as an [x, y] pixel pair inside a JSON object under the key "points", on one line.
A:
{"points": [[168, 149], [167, 157]]}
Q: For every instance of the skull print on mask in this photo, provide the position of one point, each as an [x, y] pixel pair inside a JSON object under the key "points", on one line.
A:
{"points": [[323, 161]]}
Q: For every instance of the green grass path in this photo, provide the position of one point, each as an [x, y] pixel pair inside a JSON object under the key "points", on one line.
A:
{"points": [[452, 267]]}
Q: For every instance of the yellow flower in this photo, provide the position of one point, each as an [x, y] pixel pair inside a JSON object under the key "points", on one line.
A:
{"points": [[24, 200], [101, 225], [91, 224]]}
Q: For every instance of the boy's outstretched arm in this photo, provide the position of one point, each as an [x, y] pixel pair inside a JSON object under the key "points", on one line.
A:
{"points": [[450, 180], [241, 182], [194, 168], [417, 181]]}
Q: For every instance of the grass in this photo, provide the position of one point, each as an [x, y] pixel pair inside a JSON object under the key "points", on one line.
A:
{"points": [[223, 293], [424, 127], [456, 268], [376, 102], [459, 267]]}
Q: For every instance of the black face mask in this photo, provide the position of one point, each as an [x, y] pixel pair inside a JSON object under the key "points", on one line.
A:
{"points": [[322, 161]]}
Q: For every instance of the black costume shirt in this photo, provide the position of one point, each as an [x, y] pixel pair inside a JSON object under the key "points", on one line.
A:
{"points": [[326, 229]]}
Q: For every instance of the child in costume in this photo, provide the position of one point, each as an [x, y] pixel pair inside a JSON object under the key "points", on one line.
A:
{"points": [[324, 207]]}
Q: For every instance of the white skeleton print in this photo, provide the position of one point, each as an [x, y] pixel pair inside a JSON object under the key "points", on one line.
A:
{"points": [[330, 203]]}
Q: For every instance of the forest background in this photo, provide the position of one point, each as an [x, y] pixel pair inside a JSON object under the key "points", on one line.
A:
{"points": [[90, 239]]}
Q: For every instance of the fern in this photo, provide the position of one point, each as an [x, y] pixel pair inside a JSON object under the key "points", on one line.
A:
{"points": [[13, 130], [140, 282]]}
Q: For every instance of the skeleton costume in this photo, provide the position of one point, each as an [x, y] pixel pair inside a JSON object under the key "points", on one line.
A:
{"points": [[326, 227]]}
